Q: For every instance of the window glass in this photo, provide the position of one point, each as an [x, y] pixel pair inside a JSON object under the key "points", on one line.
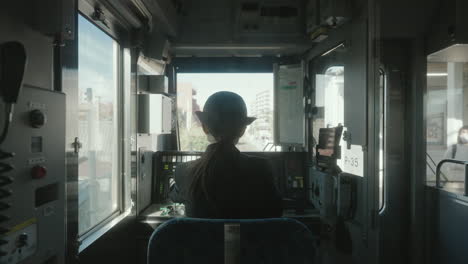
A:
{"points": [[447, 114], [98, 125], [329, 100], [193, 89]]}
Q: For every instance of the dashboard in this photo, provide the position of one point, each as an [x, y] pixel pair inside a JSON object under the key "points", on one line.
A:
{"points": [[289, 172]]}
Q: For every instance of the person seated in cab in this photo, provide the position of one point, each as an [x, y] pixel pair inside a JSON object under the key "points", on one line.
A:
{"points": [[225, 183]]}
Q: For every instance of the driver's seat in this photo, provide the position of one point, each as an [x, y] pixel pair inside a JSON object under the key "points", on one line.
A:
{"points": [[206, 241]]}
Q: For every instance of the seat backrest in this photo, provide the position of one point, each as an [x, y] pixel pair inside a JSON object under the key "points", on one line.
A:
{"points": [[193, 240]]}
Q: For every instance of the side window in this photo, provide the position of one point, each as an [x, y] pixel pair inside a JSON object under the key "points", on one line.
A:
{"points": [[447, 115], [329, 96], [340, 84], [329, 99], [99, 126]]}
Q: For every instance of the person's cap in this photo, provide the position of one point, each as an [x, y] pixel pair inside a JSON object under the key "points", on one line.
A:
{"points": [[224, 107]]}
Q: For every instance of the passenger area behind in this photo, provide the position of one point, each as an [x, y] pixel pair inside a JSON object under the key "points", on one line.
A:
{"points": [[190, 240]]}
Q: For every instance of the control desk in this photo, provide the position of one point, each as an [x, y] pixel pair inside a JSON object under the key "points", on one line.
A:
{"points": [[289, 172]]}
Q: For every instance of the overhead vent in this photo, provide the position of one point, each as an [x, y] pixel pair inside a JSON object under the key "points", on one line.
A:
{"points": [[270, 18], [250, 7], [326, 15], [279, 11]]}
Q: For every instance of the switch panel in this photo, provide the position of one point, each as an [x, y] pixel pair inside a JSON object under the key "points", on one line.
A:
{"points": [[322, 188], [32, 211], [21, 243]]}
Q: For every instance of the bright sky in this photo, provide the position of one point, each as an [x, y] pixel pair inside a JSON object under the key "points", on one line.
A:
{"points": [[246, 85], [96, 61], [96, 58]]}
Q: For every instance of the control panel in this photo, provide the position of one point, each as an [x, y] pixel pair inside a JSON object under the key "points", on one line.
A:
{"points": [[289, 170], [164, 166], [322, 193], [333, 195], [32, 180]]}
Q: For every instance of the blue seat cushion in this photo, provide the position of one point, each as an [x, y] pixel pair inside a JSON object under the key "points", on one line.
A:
{"points": [[192, 240]]}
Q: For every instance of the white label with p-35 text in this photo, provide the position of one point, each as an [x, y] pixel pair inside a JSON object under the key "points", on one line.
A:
{"points": [[353, 160]]}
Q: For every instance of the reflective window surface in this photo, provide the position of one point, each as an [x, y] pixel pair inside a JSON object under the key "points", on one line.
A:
{"points": [[329, 100], [447, 114], [98, 125], [193, 89], [382, 135]]}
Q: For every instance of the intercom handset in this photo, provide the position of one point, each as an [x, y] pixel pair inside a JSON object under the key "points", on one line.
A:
{"points": [[12, 68]]}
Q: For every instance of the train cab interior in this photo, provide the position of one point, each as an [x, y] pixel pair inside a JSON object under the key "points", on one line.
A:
{"points": [[360, 108]]}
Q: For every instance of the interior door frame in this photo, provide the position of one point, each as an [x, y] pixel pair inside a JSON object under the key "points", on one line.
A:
{"points": [[69, 85]]}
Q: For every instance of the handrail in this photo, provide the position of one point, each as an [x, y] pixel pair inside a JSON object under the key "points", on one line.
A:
{"points": [[266, 146], [461, 162], [435, 166]]}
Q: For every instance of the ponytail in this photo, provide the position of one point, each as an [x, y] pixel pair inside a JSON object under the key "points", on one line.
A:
{"points": [[205, 170]]}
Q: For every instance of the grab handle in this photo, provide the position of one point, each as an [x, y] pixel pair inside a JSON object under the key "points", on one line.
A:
{"points": [[461, 162]]}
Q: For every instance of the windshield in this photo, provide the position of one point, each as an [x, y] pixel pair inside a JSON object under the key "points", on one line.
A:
{"points": [[193, 89]]}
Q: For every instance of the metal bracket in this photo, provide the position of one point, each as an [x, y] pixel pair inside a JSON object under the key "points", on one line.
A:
{"points": [[98, 15], [347, 137], [77, 145]]}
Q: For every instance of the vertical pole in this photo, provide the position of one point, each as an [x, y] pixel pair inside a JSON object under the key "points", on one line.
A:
{"points": [[232, 243], [466, 180], [455, 99]]}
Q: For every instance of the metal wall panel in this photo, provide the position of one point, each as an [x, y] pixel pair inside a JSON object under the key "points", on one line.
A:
{"points": [[44, 210], [355, 84], [39, 48], [394, 224], [145, 175], [452, 234]]}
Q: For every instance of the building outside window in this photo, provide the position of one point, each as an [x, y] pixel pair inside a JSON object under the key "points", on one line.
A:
{"points": [[193, 89], [98, 125]]}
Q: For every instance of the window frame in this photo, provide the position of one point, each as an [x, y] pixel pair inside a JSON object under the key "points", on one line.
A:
{"points": [[445, 136], [315, 68], [96, 231], [189, 71], [383, 142]]}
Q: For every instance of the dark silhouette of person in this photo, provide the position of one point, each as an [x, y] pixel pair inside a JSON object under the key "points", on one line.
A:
{"points": [[225, 183], [459, 150]]}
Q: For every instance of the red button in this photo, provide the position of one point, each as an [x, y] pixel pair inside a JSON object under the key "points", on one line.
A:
{"points": [[38, 172]]}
